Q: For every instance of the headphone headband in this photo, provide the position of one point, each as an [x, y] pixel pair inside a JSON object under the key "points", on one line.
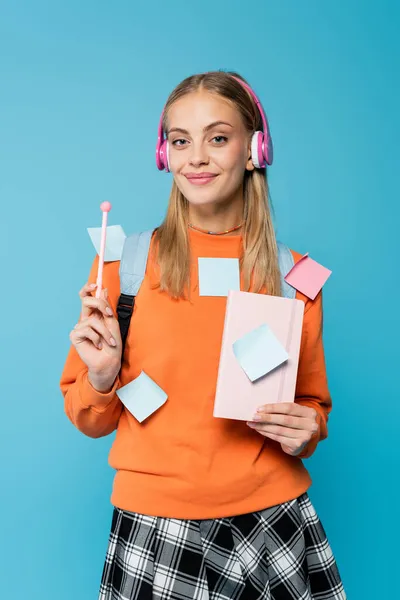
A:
{"points": [[262, 149]]}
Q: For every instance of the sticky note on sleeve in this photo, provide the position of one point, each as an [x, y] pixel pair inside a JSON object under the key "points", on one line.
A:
{"points": [[142, 397], [259, 352], [115, 239], [307, 276]]}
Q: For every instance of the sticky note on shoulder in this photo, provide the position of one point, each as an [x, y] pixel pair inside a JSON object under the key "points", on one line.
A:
{"points": [[115, 239], [259, 352], [307, 276], [142, 397]]}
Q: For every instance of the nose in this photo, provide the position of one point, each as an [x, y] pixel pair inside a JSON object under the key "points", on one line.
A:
{"points": [[198, 155]]}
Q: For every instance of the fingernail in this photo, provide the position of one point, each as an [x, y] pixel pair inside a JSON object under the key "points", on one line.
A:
{"points": [[99, 345], [113, 342], [92, 286], [315, 428], [257, 418], [251, 424], [109, 311]]}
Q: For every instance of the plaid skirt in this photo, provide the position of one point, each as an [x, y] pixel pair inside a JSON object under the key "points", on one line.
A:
{"points": [[280, 553]]}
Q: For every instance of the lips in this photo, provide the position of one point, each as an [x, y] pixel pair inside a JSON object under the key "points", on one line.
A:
{"points": [[200, 178], [200, 175]]}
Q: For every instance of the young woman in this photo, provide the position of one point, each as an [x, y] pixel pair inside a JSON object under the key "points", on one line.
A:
{"points": [[203, 507]]}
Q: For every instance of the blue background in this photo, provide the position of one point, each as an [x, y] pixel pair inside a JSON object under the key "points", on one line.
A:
{"points": [[82, 85]]}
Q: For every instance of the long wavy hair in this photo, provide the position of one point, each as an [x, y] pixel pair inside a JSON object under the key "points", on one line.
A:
{"points": [[259, 260]]}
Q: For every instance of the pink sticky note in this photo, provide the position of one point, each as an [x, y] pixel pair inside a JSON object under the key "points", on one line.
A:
{"points": [[307, 276]]}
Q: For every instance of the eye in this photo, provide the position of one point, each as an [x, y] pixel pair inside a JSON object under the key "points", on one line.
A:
{"points": [[181, 142], [220, 139]]}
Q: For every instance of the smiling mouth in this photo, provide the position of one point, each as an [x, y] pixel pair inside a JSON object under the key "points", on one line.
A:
{"points": [[202, 179]]}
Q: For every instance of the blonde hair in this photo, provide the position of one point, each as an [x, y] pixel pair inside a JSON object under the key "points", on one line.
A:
{"points": [[259, 261]]}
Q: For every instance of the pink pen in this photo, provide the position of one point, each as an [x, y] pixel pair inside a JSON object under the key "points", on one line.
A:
{"points": [[105, 207]]}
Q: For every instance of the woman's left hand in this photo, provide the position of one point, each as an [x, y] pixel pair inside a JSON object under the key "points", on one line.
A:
{"points": [[290, 424]]}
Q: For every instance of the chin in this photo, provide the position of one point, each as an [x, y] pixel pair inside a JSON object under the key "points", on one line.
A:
{"points": [[202, 199], [216, 193], [203, 196]]}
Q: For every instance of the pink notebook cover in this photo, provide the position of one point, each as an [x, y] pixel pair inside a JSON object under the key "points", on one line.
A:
{"points": [[236, 396]]}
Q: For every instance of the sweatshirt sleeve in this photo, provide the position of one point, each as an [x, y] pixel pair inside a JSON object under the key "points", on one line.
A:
{"points": [[312, 386], [93, 413]]}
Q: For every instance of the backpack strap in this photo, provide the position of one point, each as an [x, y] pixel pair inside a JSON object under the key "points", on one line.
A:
{"points": [[286, 263], [133, 267], [131, 274]]}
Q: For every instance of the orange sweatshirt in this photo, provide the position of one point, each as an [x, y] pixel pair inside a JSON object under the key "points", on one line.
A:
{"points": [[182, 462]]}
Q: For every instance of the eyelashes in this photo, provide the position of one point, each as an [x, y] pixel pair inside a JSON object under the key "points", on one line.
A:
{"points": [[221, 137], [181, 142], [178, 142]]}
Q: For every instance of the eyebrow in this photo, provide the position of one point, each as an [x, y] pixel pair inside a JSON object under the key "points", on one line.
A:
{"points": [[205, 129]]}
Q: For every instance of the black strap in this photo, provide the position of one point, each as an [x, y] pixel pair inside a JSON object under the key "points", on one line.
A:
{"points": [[124, 312]]}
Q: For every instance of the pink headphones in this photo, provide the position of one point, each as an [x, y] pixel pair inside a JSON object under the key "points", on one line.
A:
{"points": [[261, 142]]}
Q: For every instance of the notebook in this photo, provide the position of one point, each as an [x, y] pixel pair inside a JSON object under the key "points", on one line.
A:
{"points": [[237, 397]]}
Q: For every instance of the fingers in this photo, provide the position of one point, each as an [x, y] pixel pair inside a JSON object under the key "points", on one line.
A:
{"points": [[93, 329], [285, 420], [289, 408], [87, 289], [290, 424], [99, 328], [280, 430], [291, 447], [85, 292], [291, 444], [84, 334], [90, 303], [288, 441]]}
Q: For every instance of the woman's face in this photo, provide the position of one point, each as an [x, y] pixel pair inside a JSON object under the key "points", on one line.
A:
{"points": [[209, 148]]}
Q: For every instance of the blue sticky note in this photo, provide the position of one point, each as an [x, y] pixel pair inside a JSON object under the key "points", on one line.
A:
{"points": [[115, 238], [218, 275], [259, 352], [142, 396]]}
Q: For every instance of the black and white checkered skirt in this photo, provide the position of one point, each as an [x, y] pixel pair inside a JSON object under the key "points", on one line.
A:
{"points": [[280, 553]]}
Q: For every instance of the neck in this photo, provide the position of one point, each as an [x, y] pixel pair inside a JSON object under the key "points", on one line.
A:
{"points": [[216, 220]]}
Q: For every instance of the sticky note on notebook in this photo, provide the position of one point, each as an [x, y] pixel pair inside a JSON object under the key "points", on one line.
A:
{"points": [[307, 276], [142, 396], [259, 352], [115, 239], [218, 275]]}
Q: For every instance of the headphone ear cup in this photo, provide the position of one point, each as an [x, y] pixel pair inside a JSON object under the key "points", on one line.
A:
{"points": [[268, 150], [159, 160], [167, 166], [162, 156], [257, 155]]}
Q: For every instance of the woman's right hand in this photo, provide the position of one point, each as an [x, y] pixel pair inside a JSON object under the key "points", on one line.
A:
{"points": [[97, 339]]}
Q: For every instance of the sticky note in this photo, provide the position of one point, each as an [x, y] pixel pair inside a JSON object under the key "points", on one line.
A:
{"points": [[115, 238], [259, 352], [307, 276], [218, 275], [142, 396]]}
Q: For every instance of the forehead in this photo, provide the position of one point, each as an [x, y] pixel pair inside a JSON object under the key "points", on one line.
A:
{"points": [[198, 109]]}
